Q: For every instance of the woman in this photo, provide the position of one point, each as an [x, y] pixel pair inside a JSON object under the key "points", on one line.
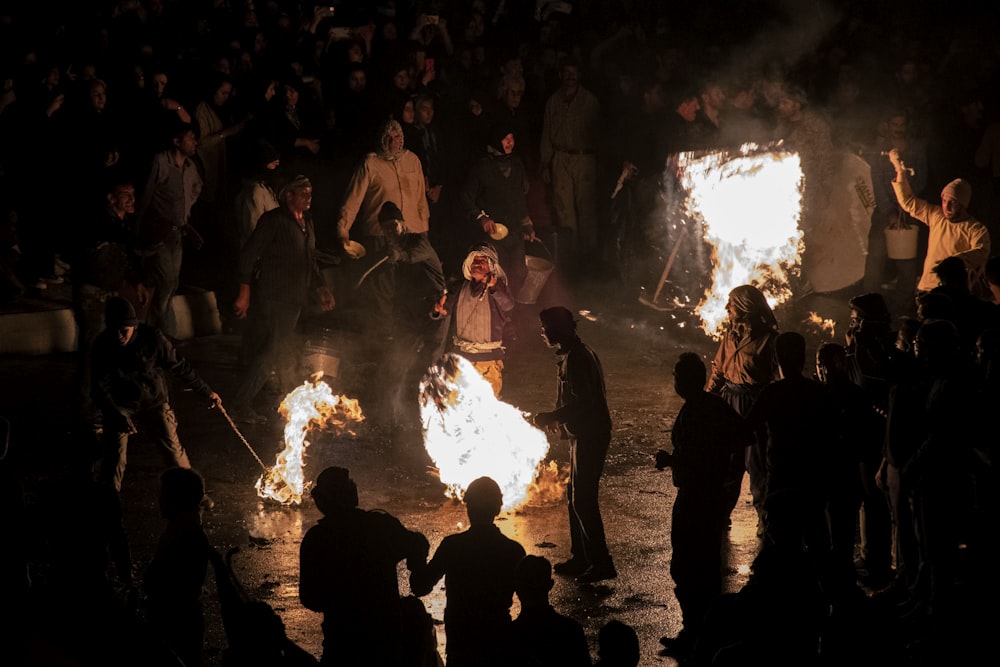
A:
{"points": [[744, 363], [215, 124]]}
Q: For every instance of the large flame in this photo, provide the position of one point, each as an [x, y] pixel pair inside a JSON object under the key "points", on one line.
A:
{"points": [[468, 433], [311, 405], [749, 202]]}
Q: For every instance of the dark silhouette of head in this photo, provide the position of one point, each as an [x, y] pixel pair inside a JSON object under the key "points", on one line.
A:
{"points": [[181, 490], [952, 273], [559, 324], [790, 348], [831, 363], [870, 306], [533, 580], [617, 645], [483, 500], [690, 375], [335, 490], [937, 345]]}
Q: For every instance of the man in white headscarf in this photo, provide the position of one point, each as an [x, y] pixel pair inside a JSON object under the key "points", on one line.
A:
{"points": [[480, 308]]}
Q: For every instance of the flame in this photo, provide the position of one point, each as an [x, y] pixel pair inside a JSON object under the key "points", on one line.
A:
{"points": [[749, 201], [311, 405], [468, 433], [827, 325]]}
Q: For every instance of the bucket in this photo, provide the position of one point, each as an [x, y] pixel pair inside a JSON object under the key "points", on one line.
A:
{"points": [[902, 243], [319, 355], [539, 269]]}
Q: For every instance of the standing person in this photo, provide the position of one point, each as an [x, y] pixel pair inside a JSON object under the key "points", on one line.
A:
{"points": [[164, 210], [175, 576], [480, 309], [569, 156], [347, 572], [953, 231], [706, 433], [259, 193], [282, 252], [582, 417], [743, 365], [478, 567], [129, 366], [390, 174]]}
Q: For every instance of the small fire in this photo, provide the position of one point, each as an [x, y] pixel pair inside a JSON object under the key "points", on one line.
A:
{"points": [[750, 201], [311, 405], [468, 433], [825, 325]]}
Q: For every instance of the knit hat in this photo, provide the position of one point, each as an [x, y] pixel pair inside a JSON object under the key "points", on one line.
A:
{"points": [[497, 133], [389, 212], [959, 190], [335, 488], [118, 312]]}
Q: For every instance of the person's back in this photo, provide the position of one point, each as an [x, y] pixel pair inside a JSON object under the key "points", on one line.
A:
{"points": [[348, 572], [478, 566], [541, 636]]}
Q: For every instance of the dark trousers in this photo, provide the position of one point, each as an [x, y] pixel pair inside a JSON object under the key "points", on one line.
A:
{"points": [[268, 344], [696, 563], [159, 424], [751, 460], [162, 272], [587, 453]]}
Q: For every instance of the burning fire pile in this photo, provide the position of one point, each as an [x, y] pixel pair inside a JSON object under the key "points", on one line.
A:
{"points": [[468, 433], [311, 405], [749, 202]]}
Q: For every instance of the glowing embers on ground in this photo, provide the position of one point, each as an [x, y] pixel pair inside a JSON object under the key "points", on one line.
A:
{"points": [[468, 433], [311, 405], [749, 201]]}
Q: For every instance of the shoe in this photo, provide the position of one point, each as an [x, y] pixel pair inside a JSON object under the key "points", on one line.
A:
{"points": [[206, 502], [572, 566], [595, 574]]}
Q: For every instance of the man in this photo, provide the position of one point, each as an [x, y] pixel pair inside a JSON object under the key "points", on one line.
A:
{"points": [[347, 571], [478, 566], [953, 231], [171, 190], [481, 308], [706, 433], [282, 252], [569, 156], [107, 261], [390, 174], [129, 366], [582, 417]]}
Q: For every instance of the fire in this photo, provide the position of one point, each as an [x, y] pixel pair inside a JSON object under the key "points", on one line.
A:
{"points": [[311, 405], [825, 325], [468, 433], [750, 201]]}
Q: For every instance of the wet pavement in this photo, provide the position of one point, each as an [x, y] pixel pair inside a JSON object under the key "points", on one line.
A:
{"points": [[638, 347]]}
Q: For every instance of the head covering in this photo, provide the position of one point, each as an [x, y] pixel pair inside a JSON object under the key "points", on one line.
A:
{"points": [[391, 127], [335, 488], [959, 190], [752, 307], [490, 253], [118, 312], [496, 134], [296, 183], [389, 212], [871, 306]]}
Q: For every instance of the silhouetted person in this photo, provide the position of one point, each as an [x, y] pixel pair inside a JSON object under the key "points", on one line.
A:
{"points": [[478, 568], [541, 636], [174, 578], [706, 433], [582, 416], [617, 645], [970, 313], [347, 571]]}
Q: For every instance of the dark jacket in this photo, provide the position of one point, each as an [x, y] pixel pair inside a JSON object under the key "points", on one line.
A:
{"points": [[282, 256]]}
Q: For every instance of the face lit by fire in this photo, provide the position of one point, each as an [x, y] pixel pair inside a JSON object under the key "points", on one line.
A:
{"points": [[299, 200], [480, 268], [125, 335], [122, 199], [953, 210], [507, 143], [688, 109]]}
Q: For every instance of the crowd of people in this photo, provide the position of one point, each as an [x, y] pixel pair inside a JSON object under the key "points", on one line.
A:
{"points": [[395, 161]]}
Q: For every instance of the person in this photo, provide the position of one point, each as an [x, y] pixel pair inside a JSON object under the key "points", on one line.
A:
{"points": [[281, 251], [174, 578], [617, 645], [129, 365], [581, 415], [569, 156], [495, 192], [347, 572], [164, 211], [953, 231], [540, 635], [480, 309], [478, 567], [706, 432], [744, 364], [392, 173]]}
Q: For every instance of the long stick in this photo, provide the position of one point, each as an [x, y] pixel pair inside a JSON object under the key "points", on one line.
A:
{"points": [[670, 263], [236, 430], [368, 272]]}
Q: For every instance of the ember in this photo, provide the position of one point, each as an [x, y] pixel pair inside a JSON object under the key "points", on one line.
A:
{"points": [[468, 433], [749, 201], [311, 405]]}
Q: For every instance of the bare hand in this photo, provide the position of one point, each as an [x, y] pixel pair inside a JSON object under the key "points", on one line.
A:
{"points": [[242, 305], [439, 306], [895, 159], [326, 300], [216, 400], [489, 226], [434, 194]]}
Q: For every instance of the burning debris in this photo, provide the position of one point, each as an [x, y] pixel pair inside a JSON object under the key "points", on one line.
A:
{"points": [[825, 325], [748, 202], [311, 405], [468, 433]]}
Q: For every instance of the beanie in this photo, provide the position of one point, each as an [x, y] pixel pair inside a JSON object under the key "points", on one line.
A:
{"points": [[119, 313], [959, 190], [389, 212]]}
